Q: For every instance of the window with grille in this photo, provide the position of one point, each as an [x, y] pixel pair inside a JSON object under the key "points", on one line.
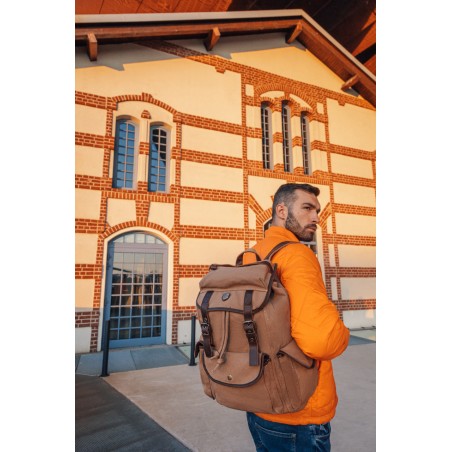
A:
{"points": [[286, 137], [266, 137], [305, 144], [158, 159], [136, 290], [124, 163]]}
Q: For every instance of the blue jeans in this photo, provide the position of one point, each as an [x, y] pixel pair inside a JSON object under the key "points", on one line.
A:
{"points": [[275, 437]]}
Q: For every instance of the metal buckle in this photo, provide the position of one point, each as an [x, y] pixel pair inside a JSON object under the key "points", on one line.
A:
{"points": [[205, 329]]}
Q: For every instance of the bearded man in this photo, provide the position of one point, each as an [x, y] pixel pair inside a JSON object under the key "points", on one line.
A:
{"points": [[315, 323]]}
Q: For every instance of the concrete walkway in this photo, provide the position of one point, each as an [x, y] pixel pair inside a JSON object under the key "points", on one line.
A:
{"points": [[171, 396]]}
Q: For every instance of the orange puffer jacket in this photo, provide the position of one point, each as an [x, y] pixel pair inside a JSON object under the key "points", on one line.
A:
{"points": [[315, 322]]}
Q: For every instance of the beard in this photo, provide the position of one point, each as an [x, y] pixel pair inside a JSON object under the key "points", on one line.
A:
{"points": [[302, 233]]}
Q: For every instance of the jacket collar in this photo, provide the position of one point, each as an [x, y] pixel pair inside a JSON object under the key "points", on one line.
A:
{"points": [[280, 232]]}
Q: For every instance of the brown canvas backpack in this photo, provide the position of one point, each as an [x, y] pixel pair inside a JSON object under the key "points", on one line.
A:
{"points": [[248, 359]]}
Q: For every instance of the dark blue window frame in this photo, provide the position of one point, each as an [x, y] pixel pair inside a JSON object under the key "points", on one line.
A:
{"points": [[124, 164], [158, 159]]}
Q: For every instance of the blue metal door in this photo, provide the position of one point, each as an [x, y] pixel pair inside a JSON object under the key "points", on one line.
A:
{"points": [[135, 300]]}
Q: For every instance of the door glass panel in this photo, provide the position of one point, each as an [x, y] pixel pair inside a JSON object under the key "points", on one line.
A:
{"points": [[136, 288]]}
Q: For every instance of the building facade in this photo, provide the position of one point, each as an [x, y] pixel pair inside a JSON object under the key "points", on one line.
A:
{"points": [[178, 152]]}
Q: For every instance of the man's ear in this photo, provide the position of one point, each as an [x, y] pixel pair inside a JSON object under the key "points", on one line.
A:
{"points": [[281, 212]]}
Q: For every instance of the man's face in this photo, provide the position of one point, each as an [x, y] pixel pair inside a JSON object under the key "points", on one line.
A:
{"points": [[302, 217]]}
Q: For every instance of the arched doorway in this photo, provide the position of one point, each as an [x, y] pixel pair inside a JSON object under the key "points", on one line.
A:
{"points": [[136, 282]]}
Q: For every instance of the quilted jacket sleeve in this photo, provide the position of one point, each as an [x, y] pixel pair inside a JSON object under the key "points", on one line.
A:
{"points": [[315, 322]]}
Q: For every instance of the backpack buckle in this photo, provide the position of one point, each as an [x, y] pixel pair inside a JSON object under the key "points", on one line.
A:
{"points": [[205, 329], [250, 329]]}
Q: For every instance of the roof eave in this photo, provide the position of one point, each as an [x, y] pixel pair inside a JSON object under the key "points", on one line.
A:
{"points": [[91, 30]]}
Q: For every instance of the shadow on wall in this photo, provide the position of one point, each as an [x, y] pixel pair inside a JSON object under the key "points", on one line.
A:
{"points": [[110, 54]]}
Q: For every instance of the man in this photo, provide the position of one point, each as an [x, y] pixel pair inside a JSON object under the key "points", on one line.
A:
{"points": [[315, 324]]}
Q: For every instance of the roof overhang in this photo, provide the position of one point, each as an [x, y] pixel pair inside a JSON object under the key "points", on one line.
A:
{"points": [[95, 29]]}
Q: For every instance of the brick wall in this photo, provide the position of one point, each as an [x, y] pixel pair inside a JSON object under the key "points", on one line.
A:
{"points": [[261, 82]]}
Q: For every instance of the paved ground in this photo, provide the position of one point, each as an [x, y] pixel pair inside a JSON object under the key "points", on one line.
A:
{"points": [[153, 401]]}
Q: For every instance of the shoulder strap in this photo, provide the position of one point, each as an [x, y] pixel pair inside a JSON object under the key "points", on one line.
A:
{"points": [[277, 248]]}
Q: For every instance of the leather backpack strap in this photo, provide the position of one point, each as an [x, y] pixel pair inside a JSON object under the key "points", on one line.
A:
{"points": [[277, 248], [250, 328], [239, 260], [206, 330]]}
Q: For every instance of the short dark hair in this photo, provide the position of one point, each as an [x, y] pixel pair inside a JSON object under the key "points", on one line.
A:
{"points": [[286, 194]]}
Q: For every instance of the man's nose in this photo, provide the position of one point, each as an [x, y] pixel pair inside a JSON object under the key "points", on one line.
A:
{"points": [[315, 217]]}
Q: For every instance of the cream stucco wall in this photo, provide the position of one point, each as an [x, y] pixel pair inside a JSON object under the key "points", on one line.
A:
{"points": [[142, 169], [162, 213], [85, 248], [334, 295], [251, 219], [253, 116], [87, 203], [90, 119], [355, 224], [263, 188], [184, 331], [319, 160], [329, 225], [352, 126], [353, 194], [269, 52], [297, 156], [361, 318], [358, 288], [357, 256], [211, 213], [254, 149], [82, 339], [351, 166], [209, 251], [137, 69], [211, 141], [332, 255], [209, 176], [188, 291], [278, 154], [89, 161], [120, 211], [317, 131], [84, 294]]}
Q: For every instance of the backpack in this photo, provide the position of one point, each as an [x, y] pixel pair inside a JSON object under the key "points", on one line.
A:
{"points": [[248, 359]]}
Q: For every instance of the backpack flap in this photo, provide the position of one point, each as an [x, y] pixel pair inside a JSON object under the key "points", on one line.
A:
{"points": [[256, 277], [234, 371]]}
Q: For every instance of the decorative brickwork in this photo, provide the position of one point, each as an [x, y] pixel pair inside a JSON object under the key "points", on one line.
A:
{"points": [[262, 82]]}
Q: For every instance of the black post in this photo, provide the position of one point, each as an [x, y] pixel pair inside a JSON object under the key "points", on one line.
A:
{"points": [[192, 344], [106, 350]]}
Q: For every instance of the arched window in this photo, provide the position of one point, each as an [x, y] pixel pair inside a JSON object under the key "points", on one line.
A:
{"points": [[125, 152], [158, 159], [287, 139], [135, 298], [306, 144], [266, 115]]}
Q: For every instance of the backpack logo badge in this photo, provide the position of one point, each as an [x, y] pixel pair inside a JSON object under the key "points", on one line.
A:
{"points": [[225, 296]]}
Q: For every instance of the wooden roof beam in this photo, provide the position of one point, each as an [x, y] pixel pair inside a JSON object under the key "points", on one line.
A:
{"points": [[350, 82], [212, 38], [91, 43], [158, 31], [294, 33]]}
